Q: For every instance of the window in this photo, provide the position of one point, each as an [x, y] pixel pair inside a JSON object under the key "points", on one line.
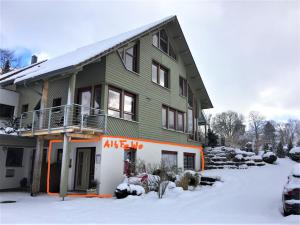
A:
{"points": [[121, 104], [85, 99], [169, 159], [189, 161], [24, 108], [190, 96], [56, 103], [172, 119], [129, 57], [180, 121], [6, 111], [14, 157], [114, 102], [97, 98], [164, 117], [129, 107], [161, 41], [155, 72], [129, 161], [160, 75], [182, 87]]}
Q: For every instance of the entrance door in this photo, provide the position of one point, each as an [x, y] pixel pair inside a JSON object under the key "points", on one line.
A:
{"points": [[83, 169]]}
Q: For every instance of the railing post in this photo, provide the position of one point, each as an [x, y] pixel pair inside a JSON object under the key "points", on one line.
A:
{"points": [[105, 123], [81, 121], [49, 120], [65, 116], [21, 120], [33, 118]]}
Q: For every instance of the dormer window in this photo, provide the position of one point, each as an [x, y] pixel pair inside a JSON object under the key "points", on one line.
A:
{"points": [[129, 57], [161, 41]]}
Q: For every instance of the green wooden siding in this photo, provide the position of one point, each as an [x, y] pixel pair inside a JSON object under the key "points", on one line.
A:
{"points": [[151, 96]]}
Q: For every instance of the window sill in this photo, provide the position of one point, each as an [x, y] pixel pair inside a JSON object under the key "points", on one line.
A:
{"points": [[133, 121], [172, 130], [168, 89], [175, 60]]}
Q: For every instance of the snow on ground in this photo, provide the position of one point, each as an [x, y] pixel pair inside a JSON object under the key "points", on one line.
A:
{"points": [[244, 196]]}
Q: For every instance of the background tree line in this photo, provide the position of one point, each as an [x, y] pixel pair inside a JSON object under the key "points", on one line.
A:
{"points": [[230, 128]]}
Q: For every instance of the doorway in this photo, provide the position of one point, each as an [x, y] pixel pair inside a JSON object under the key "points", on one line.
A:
{"points": [[85, 166]]}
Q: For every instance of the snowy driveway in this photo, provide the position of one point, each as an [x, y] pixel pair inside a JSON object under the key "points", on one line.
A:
{"points": [[245, 196]]}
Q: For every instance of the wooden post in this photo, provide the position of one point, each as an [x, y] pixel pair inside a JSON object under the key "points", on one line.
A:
{"points": [[38, 159], [66, 145]]}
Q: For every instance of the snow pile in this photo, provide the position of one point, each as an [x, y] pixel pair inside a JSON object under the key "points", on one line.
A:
{"points": [[295, 150], [239, 157], [296, 170], [268, 154], [131, 189]]}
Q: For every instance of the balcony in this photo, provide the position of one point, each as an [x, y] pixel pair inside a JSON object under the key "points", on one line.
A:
{"points": [[62, 119]]}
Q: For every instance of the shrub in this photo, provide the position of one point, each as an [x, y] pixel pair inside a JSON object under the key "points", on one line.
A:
{"points": [[294, 154], [269, 157], [188, 179]]}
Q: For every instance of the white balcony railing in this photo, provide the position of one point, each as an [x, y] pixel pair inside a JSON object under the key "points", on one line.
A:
{"points": [[78, 117]]}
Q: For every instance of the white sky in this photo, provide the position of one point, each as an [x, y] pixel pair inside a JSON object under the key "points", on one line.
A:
{"points": [[248, 52]]}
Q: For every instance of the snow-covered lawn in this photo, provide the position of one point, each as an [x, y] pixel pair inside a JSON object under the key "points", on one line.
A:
{"points": [[245, 196]]}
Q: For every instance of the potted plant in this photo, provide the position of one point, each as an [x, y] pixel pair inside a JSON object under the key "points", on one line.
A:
{"points": [[93, 187]]}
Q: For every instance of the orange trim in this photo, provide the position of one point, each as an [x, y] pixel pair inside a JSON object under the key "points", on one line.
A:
{"points": [[97, 140]]}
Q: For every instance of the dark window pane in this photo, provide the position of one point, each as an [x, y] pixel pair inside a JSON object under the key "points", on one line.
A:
{"points": [[171, 119], [164, 117], [172, 52], [190, 96], [6, 111], [14, 157], [163, 35], [189, 161], [180, 121], [154, 73], [155, 39], [164, 46], [114, 98], [24, 108]]}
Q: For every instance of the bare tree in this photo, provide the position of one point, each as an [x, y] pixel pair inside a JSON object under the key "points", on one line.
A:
{"points": [[256, 123], [229, 125], [8, 60]]}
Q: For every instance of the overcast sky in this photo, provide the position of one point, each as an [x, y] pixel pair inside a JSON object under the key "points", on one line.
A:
{"points": [[247, 52]]}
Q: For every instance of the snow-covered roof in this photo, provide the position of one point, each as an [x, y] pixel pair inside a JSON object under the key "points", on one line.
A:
{"points": [[90, 53], [80, 55]]}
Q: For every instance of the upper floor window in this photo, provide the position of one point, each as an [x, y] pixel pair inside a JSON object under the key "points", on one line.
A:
{"points": [[161, 41], [160, 74], [172, 119], [182, 86], [190, 97], [129, 57], [6, 111], [24, 108], [121, 104]]}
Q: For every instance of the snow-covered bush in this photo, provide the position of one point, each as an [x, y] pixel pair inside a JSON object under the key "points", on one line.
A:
{"points": [[269, 157], [294, 154], [188, 178], [125, 189]]}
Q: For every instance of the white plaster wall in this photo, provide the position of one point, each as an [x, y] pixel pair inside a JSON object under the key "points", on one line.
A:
{"points": [[109, 173], [20, 172], [11, 98], [112, 160]]}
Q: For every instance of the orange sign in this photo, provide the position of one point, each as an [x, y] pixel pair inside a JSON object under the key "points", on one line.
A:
{"points": [[123, 144]]}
